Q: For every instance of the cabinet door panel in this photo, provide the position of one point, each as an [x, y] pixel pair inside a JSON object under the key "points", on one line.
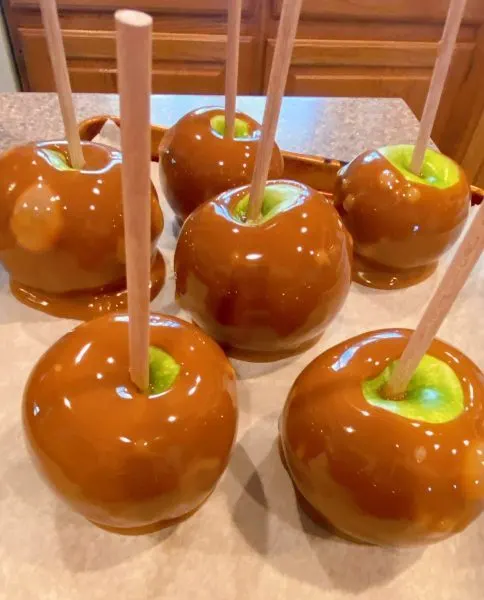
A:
{"points": [[182, 63]]}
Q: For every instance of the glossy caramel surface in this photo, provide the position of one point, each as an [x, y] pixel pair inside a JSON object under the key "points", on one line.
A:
{"points": [[373, 475], [400, 228], [61, 231], [197, 163], [266, 289], [123, 459]]}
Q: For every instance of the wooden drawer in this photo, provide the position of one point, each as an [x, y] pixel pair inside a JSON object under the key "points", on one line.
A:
{"points": [[170, 78], [370, 68], [187, 7], [383, 10], [182, 63]]}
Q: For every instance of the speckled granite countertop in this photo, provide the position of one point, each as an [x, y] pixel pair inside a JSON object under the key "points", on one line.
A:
{"points": [[334, 127]]}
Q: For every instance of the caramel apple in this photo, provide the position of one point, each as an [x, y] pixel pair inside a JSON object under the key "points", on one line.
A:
{"points": [[61, 230], [197, 162], [390, 472], [268, 287], [123, 459], [401, 223]]}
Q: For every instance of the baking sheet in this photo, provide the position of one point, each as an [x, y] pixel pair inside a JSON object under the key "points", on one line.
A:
{"points": [[250, 540]]}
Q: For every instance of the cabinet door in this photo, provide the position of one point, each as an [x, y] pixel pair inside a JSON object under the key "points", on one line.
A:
{"points": [[192, 7], [182, 63], [371, 69], [383, 10]]}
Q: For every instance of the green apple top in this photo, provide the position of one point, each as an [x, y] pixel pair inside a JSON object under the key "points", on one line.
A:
{"points": [[242, 129], [278, 197], [56, 159], [163, 371], [438, 170], [434, 394]]}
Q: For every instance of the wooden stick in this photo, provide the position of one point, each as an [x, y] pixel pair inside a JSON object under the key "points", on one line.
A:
{"points": [[232, 65], [277, 83], [134, 53], [453, 281], [439, 76], [50, 19]]}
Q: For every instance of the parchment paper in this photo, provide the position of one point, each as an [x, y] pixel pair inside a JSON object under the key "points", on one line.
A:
{"points": [[249, 541]]}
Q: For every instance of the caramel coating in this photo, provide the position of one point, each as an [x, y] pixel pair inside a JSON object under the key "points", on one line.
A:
{"points": [[123, 459], [375, 476], [267, 289], [400, 228], [197, 163], [61, 230]]}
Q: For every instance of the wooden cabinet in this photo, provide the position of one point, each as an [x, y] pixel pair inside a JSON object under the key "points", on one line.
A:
{"points": [[378, 10], [380, 48], [166, 6], [189, 41], [181, 62], [369, 48]]}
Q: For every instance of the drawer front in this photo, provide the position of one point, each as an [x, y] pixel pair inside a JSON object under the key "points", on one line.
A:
{"points": [[378, 53], [169, 79], [191, 7], [182, 63], [383, 10], [411, 86]]}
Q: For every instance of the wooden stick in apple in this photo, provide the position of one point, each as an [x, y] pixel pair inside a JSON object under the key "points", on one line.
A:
{"points": [[439, 76], [134, 54], [277, 83], [57, 55], [232, 65], [454, 279]]}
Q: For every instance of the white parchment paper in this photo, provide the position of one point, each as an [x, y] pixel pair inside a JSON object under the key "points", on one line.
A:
{"points": [[249, 541]]}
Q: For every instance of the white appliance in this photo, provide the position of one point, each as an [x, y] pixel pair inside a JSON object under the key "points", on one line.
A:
{"points": [[8, 74]]}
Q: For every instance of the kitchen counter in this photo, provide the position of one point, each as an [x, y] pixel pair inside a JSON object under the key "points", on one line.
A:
{"points": [[335, 127], [250, 541]]}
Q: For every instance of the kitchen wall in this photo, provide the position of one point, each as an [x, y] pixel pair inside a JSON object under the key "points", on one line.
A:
{"points": [[8, 75]]}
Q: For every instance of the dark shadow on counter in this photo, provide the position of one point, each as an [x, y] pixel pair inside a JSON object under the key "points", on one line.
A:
{"points": [[274, 525]]}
